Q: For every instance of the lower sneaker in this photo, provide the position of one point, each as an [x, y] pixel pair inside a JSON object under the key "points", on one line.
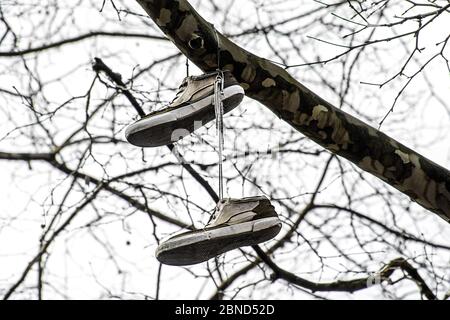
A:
{"points": [[191, 108], [235, 223]]}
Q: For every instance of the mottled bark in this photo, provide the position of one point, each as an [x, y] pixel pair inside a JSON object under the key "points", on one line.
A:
{"points": [[424, 181]]}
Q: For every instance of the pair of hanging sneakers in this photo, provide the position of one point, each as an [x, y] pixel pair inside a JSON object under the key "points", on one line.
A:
{"points": [[235, 222]]}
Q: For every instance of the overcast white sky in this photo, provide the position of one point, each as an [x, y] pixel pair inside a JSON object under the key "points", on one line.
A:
{"points": [[80, 267]]}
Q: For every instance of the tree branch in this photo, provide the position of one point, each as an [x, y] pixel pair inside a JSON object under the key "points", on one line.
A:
{"points": [[92, 34], [349, 285]]}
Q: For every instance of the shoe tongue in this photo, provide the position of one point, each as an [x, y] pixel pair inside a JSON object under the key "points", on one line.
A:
{"points": [[217, 210], [181, 89], [183, 85], [185, 81]]}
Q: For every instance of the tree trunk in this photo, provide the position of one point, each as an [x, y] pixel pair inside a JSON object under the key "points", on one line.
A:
{"points": [[424, 181]]}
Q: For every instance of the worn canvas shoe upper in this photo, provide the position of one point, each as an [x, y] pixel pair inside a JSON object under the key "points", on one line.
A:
{"points": [[235, 211], [235, 223], [191, 108]]}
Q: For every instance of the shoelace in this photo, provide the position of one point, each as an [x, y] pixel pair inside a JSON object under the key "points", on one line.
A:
{"points": [[218, 107]]}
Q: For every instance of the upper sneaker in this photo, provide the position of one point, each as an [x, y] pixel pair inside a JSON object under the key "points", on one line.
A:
{"points": [[235, 223], [191, 108]]}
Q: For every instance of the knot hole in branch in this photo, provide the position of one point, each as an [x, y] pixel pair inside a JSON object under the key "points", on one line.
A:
{"points": [[196, 42]]}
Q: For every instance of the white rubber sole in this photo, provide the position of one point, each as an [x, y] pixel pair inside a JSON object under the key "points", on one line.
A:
{"points": [[180, 113]]}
